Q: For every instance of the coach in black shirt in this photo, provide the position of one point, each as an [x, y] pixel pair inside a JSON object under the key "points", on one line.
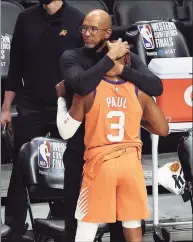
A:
{"points": [[42, 33], [83, 69]]}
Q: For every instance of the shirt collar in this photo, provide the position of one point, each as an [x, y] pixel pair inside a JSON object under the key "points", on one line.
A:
{"points": [[95, 55]]}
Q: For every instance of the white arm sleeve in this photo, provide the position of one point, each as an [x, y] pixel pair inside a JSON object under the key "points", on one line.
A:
{"points": [[67, 126]]}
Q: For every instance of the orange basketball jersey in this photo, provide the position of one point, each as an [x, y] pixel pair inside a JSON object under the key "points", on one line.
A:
{"points": [[112, 124], [115, 115]]}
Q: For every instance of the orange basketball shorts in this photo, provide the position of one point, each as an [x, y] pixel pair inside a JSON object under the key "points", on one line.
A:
{"points": [[118, 192]]}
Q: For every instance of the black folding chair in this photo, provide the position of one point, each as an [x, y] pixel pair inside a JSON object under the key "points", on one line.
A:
{"points": [[186, 159], [85, 6], [5, 232], [41, 161]]}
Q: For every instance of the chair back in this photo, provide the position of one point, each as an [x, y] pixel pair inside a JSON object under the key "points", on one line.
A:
{"points": [[41, 161]]}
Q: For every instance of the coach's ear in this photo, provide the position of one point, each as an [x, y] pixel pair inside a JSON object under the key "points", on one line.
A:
{"points": [[108, 33]]}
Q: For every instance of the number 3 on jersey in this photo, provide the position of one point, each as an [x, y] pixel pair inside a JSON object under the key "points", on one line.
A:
{"points": [[118, 126]]}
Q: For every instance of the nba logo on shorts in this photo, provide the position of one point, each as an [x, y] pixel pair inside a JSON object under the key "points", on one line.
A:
{"points": [[44, 154], [147, 37]]}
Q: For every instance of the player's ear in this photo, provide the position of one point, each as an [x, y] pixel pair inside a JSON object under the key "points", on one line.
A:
{"points": [[126, 59], [108, 33]]}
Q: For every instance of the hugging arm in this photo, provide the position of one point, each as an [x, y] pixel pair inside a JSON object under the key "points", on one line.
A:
{"points": [[142, 77], [68, 122]]}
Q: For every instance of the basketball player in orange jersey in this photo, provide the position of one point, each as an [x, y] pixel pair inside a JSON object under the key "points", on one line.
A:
{"points": [[113, 186]]}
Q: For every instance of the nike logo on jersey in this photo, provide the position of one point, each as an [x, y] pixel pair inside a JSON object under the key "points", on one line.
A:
{"points": [[116, 89], [118, 102]]}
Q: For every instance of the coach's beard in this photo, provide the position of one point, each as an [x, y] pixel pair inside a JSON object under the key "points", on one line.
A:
{"points": [[98, 48]]}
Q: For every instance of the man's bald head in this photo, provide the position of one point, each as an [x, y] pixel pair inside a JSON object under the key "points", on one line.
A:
{"points": [[96, 28], [101, 17]]}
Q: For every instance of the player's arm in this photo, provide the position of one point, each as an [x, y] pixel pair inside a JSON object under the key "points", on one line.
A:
{"points": [[138, 73], [153, 118], [68, 122]]}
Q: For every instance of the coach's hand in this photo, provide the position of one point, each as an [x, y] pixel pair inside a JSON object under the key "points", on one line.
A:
{"points": [[117, 49], [5, 116], [61, 89]]}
